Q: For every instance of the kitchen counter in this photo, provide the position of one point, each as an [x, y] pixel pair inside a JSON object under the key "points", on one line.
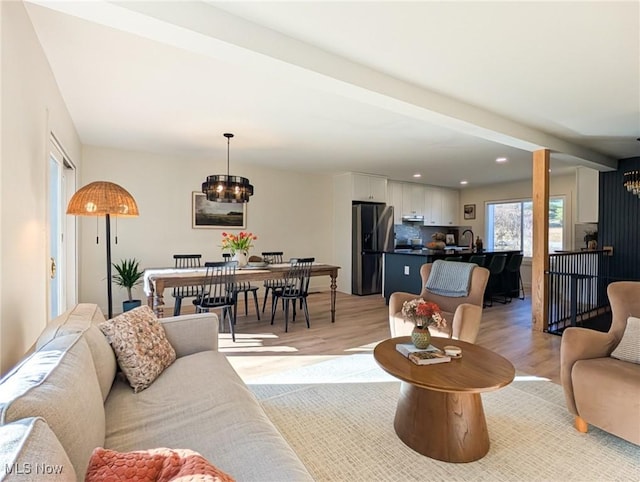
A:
{"points": [[402, 267]]}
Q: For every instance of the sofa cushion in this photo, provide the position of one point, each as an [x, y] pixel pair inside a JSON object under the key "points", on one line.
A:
{"points": [[58, 382], [83, 318], [200, 403], [629, 347], [30, 450], [155, 465], [140, 344]]}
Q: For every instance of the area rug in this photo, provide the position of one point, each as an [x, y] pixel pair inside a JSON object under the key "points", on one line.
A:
{"points": [[338, 416]]}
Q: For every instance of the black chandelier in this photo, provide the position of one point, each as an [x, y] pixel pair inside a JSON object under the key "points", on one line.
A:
{"points": [[226, 188]]}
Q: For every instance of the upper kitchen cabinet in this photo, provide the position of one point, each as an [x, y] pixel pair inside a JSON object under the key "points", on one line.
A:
{"points": [[440, 206], [432, 206], [587, 193], [412, 199], [394, 198], [450, 207], [365, 187]]}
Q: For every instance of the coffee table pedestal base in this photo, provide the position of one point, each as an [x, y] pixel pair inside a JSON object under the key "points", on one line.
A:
{"points": [[444, 426]]}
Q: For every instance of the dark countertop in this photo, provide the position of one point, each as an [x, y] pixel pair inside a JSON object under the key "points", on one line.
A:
{"points": [[440, 252]]}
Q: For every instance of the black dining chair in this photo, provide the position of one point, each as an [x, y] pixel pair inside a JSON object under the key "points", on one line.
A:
{"points": [[180, 292], [244, 287], [218, 292], [294, 289], [271, 257]]}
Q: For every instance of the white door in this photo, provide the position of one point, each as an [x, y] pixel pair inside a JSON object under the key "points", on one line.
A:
{"points": [[56, 252], [61, 262]]}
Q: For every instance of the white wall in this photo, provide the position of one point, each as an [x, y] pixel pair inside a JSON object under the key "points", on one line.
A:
{"points": [[289, 211], [564, 185], [32, 107]]}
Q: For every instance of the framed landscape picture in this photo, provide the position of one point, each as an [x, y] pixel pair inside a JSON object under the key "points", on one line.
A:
{"points": [[469, 211], [211, 214]]}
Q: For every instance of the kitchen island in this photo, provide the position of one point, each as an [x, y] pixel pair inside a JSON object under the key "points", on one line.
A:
{"points": [[402, 268]]}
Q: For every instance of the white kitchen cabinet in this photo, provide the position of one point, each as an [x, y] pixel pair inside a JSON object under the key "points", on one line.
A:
{"points": [[412, 199], [432, 206], [368, 188], [450, 207], [394, 198]]}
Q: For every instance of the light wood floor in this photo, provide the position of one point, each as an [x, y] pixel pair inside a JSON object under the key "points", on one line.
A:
{"points": [[361, 322]]}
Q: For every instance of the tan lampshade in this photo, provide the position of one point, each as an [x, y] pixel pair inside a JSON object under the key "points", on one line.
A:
{"points": [[100, 198]]}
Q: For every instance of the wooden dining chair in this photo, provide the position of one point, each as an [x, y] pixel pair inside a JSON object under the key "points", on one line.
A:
{"points": [[218, 292], [180, 292], [295, 288]]}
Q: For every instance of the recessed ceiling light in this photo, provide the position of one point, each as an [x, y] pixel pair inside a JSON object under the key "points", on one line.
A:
{"points": [[501, 160], [417, 174], [464, 182]]}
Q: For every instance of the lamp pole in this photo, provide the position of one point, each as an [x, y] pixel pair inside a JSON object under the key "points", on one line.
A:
{"points": [[109, 279]]}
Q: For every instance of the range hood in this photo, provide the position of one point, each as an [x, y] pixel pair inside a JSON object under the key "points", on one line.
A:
{"points": [[413, 218]]}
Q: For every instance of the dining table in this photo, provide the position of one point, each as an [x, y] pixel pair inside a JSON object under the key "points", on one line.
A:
{"points": [[156, 280]]}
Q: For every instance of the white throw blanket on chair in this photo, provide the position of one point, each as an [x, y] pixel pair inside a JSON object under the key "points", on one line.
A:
{"points": [[450, 278]]}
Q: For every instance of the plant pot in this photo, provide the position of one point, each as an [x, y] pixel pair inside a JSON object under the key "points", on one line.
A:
{"points": [[130, 304]]}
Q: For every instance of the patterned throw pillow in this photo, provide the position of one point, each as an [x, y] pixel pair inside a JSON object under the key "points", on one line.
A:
{"points": [[157, 465], [629, 347], [140, 344]]}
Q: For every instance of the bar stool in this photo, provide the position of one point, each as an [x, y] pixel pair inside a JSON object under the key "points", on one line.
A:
{"points": [[512, 270], [496, 267], [479, 259]]}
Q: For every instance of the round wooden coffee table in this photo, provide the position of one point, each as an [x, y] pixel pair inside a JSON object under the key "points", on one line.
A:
{"points": [[439, 412]]}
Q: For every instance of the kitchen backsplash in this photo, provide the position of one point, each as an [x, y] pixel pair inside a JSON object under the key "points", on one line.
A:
{"points": [[405, 232]]}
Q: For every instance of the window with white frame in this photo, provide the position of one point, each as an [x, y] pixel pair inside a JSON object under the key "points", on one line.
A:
{"points": [[510, 225]]}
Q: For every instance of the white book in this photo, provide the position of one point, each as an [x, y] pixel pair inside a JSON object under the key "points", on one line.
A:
{"points": [[406, 348]]}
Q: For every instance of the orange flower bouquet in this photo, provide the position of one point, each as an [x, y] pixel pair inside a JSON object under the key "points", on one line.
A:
{"points": [[423, 313]]}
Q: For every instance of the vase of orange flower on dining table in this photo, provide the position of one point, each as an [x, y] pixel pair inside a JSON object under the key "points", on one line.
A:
{"points": [[422, 314], [238, 246]]}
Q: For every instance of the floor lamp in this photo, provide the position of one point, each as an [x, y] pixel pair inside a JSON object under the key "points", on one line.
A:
{"points": [[102, 198]]}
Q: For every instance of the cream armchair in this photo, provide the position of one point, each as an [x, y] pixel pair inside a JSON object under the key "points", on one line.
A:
{"points": [[599, 389], [463, 315]]}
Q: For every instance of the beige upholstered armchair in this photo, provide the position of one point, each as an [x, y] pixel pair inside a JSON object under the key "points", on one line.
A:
{"points": [[463, 315], [599, 389]]}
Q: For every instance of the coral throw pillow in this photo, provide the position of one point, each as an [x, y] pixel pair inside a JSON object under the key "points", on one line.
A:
{"points": [[140, 344], [154, 465]]}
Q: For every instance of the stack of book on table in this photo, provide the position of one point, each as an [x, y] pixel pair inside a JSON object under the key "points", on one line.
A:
{"points": [[426, 356]]}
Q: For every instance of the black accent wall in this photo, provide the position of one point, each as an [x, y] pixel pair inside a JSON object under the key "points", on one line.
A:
{"points": [[619, 221]]}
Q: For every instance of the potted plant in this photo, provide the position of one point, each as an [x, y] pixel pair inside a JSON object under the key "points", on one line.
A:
{"points": [[128, 275]]}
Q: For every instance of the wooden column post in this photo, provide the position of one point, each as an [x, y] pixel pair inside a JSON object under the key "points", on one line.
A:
{"points": [[540, 261]]}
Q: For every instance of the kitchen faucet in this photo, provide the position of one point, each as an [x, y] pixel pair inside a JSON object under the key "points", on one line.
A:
{"points": [[472, 236]]}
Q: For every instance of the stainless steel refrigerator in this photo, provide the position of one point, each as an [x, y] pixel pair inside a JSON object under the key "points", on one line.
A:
{"points": [[372, 228]]}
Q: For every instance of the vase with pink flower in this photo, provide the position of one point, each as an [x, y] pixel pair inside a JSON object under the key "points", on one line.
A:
{"points": [[422, 314], [238, 246]]}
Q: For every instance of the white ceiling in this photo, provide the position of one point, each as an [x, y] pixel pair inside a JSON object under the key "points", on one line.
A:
{"points": [[390, 88]]}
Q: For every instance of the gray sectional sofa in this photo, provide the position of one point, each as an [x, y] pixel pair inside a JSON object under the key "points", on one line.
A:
{"points": [[66, 399]]}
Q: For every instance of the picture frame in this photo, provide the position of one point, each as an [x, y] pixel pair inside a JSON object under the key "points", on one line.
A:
{"points": [[469, 211], [207, 214], [450, 239]]}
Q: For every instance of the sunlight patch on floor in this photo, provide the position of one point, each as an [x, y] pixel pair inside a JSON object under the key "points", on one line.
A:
{"points": [[530, 378]]}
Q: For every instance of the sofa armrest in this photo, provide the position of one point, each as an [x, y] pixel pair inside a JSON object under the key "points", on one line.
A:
{"points": [[190, 334], [580, 344], [466, 322]]}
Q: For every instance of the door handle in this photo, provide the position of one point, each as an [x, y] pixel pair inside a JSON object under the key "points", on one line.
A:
{"points": [[52, 268]]}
